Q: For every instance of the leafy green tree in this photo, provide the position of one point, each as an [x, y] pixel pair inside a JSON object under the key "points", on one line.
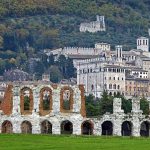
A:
{"points": [[106, 103], [126, 105], [51, 60], [39, 69], [144, 106], [70, 68], [92, 106], [55, 74]]}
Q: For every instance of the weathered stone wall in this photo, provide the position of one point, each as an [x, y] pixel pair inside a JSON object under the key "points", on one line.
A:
{"points": [[110, 124]]}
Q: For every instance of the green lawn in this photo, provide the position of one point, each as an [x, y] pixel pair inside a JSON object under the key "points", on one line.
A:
{"points": [[47, 142]]}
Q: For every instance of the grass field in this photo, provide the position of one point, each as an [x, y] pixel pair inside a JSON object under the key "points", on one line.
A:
{"points": [[47, 142]]}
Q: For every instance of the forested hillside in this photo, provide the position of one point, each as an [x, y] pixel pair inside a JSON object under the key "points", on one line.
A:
{"points": [[55, 23]]}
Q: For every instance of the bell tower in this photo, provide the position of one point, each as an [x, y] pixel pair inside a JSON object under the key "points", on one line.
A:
{"points": [[143, 44]]}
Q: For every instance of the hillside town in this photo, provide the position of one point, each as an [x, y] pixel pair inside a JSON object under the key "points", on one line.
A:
{"points": [[114, 70], [74, 74]]}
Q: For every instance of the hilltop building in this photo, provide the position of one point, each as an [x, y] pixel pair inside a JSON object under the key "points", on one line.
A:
{"points": [[94, 26]]}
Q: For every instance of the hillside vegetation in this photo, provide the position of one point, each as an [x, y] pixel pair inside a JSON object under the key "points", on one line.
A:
{"points": [[55, 23]]}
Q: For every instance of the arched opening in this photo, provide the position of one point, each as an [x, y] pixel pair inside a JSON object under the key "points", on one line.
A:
{"points": [[107, 128], [26, 127], [145, 128], [7, 127], [87, 128], [66, 127], [26, 98], [46, 99], [126, 129], [46, 127], [66, 99]]}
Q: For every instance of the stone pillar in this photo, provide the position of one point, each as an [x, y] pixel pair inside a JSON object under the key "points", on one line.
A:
{"points": [[36, 129], [56, 101], [136, 106], [97, 127], [136, 126], [77, 100], [77, 128], [16, 102], [118, 115], [16, 125], [136, 113], [36, 101], [56, 127]]}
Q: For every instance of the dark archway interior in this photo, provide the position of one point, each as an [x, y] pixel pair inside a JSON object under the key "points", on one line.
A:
{"points": [[144, 131], [126, 128], [107, 128], [7, 127], [46, 127], [87, 128], [66, 127], [26, 127]]}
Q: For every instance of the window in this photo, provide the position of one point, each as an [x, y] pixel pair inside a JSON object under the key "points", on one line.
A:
{"points": [[114, 78], [100, 69], [114, 86], [109, 70], [109, 78], [118, 87], [92, 87], [118, 78], [110, 86], [105, 86]]}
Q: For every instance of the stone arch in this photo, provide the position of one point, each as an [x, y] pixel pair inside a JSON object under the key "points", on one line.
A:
{"points": [[7, 127], [145, 129], [46, 127], [26, 127], [45, 101], [126, 128], [107, 128], [87, 128], [66, 127], [66, 99], [26, 101]]}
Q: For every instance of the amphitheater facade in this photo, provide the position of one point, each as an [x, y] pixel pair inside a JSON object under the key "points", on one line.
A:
{"points": [[60, 109]]}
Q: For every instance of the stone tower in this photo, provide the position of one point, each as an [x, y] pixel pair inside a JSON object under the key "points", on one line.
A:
{"points": [[143, 44], [119, 53]]}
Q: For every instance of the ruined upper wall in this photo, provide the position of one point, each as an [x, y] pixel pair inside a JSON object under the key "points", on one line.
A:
{"points": [[43, 99]]}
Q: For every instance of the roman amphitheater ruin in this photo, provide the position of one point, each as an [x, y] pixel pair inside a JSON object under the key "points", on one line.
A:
{"points": [[60, 109]]}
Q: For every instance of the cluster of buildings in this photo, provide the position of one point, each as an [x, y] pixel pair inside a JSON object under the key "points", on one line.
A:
{"points": [[101, 68]]}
